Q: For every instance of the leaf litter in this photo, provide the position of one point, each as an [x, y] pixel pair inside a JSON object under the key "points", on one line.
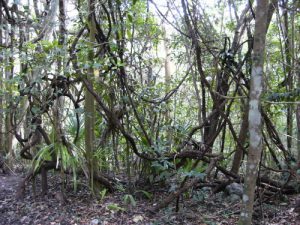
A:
{"points": [[82, 208]]}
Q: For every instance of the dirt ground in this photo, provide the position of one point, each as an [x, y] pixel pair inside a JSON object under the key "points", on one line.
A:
{"points": [[199, 208]]}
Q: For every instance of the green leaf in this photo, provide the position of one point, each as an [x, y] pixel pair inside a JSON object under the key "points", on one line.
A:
{"points": [[128, 199], [129, 34], [129, 16], [144, 140], [115, 207], [146, 193], [102, 194]]}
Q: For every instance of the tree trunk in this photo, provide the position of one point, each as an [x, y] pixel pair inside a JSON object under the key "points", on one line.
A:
{"points": [[298, 129], [1, 87], [255, 117], [59, 103], [288, 72], [89, 99], [167, 84], [8, 76], [297, 4], [239, 153]]}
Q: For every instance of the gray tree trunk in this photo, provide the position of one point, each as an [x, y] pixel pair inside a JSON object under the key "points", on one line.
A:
{"points": [[255, 118]]}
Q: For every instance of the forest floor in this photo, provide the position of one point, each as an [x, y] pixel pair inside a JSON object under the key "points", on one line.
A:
{"points": [[81, 208]]}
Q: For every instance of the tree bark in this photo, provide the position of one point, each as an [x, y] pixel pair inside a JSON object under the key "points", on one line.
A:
{"points": [[298, 129], [239, 153], [255, 117], [1, 87], [167, 83], [9, 70], [89, 107], [288, 72]]}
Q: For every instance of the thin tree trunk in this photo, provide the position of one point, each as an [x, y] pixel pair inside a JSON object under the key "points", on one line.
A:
{"points": [[288, 70], [10, 32], [1, 87], [89, 99], [298, 128], [297, 5], [255, 117], [58, 107], [239, 153], [167, 83]]}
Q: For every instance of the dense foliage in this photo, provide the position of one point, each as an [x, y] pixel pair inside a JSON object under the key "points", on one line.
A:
{"points": [[135, 93]]}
